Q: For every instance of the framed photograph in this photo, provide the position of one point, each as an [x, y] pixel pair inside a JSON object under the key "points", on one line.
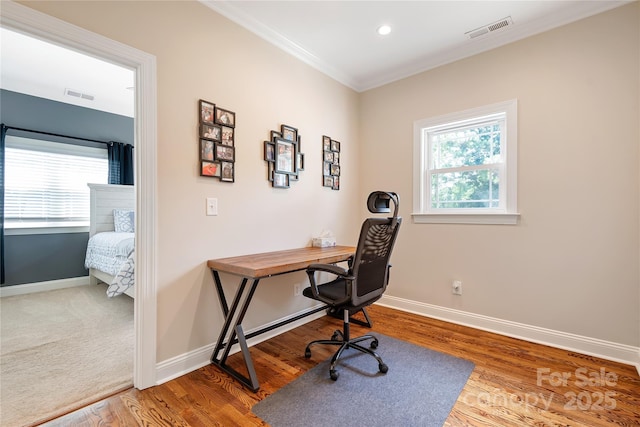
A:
{"points": [[269, 151], [224, 152], [211, 132], [336, 158], [227, 173], [335, 145], [210, 169], [226, 135], [225, 117], [280, 180], [335, 170], [270, 169], [206, 150], [326, 143], [285, 156], [336, 183], [327, 181], [299, 160], [326, 169], [275, 134], [289, 133], [328, 156], [206, 112]]}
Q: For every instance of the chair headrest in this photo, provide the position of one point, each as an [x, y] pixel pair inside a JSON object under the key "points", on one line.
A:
{"points": [[380, 202]]}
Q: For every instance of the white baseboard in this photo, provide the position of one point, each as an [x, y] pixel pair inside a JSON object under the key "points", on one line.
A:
{"points": [[591, 346], [188, 362], [49, 285]]}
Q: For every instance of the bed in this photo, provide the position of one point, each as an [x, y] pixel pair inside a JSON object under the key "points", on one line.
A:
{"points": [[111, 248]]}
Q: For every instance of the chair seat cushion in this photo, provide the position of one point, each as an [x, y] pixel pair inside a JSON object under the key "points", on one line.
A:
{"points": [[335, 290]]}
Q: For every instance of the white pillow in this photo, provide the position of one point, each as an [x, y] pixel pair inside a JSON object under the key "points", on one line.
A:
{"points": [[124, 221]]}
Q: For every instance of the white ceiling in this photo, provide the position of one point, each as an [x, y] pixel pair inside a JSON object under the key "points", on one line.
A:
{"points": [[45, 70], [336, 37], [339, 38]]}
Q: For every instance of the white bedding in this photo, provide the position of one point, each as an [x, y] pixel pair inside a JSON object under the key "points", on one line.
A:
{"points": [[113, 253]]}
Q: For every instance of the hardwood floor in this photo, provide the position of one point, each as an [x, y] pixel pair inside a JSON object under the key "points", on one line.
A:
{"points": [[514, 383]]}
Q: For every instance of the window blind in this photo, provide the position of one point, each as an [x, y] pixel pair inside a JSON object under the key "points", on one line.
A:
{"points": [[47, 181]]}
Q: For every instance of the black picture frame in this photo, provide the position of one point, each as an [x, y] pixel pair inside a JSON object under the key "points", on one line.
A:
{"points": [[285, 156], [228, 172], [289, 133], [210, 169], [336, 183], [299, 160], [225, 153], [227, 135], [210, 132], [207, 111], [206, 150], [331, 168], [281, 180], [269, 151], [225, 117], [326, 169], [326, 143]]}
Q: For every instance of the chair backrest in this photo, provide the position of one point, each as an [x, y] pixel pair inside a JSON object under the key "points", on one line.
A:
{"points": [[371, 260]]}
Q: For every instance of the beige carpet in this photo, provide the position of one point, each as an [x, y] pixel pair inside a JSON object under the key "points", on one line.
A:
{"points": [[62, 349]]}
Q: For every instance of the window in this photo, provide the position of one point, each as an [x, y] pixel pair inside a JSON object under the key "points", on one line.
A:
{"points": [[465, 166], [46, 182]]}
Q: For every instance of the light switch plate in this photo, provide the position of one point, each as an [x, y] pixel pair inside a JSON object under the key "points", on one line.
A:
{"points": [[212, 206]]}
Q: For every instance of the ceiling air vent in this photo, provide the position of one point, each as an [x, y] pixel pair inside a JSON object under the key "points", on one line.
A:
{"points": [[78, 94], [498, 25]]}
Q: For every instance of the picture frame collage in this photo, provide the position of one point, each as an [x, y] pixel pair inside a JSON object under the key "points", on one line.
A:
{"points": [[216, 141], [284, 157], [330, 163]]}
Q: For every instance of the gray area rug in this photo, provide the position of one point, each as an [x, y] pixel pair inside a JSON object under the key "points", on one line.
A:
{"points": [[420, 389], [61, 350]]}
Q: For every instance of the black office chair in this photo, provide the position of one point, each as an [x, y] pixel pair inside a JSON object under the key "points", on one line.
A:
{"points": [[363, 283]]}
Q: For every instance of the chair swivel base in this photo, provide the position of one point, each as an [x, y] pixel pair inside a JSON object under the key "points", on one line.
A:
{"points": [[338, 339]]}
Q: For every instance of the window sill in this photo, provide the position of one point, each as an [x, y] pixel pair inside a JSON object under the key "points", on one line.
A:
{"points": [[18, 229], [471, 218]]}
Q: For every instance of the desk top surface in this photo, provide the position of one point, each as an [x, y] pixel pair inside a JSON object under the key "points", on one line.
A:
{"points": [[278, 262]]}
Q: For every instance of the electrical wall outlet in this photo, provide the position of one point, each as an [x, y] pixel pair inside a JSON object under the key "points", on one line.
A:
{"points": [[456, 287], [297, 290]]}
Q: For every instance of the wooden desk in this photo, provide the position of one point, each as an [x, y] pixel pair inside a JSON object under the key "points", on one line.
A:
{"points": [[255, 267]]}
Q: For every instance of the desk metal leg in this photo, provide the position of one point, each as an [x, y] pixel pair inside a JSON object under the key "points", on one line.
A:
{"points": [[229, 333]]}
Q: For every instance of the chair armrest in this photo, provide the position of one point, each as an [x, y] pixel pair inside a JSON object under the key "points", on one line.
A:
{"points": [[329, 268]]}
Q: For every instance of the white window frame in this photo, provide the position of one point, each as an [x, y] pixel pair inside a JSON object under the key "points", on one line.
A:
{"points": [[13, 227], [508, 213]]}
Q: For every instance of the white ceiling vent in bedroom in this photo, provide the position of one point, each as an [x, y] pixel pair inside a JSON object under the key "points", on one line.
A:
{"points": [[78, 94], [496, 26]]}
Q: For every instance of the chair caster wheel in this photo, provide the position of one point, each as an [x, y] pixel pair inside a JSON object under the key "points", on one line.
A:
{"points": [[383, 368], [335, 336], [374, 344], [307, 353], [333, 374]]}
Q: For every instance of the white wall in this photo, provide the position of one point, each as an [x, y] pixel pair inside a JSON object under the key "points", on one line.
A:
{"points": [[571, 264]]}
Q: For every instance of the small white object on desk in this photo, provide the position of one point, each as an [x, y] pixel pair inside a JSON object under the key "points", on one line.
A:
{"points": [[325, 240]]}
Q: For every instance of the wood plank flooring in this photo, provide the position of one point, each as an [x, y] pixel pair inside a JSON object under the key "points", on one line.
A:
{"points": [[514, 383]]}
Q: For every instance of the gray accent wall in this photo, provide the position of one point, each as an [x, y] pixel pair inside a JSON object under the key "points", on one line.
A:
{"points": [[34, 258]]}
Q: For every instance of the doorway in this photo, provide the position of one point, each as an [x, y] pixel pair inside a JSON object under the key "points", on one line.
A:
{"points": [[30, 22]]}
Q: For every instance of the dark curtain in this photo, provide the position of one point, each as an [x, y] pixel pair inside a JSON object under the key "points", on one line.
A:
{"points": [[120, 163], [2, 136]]}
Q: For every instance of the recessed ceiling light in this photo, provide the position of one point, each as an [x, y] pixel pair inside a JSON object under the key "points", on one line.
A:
{"points": [[383, 30]]}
